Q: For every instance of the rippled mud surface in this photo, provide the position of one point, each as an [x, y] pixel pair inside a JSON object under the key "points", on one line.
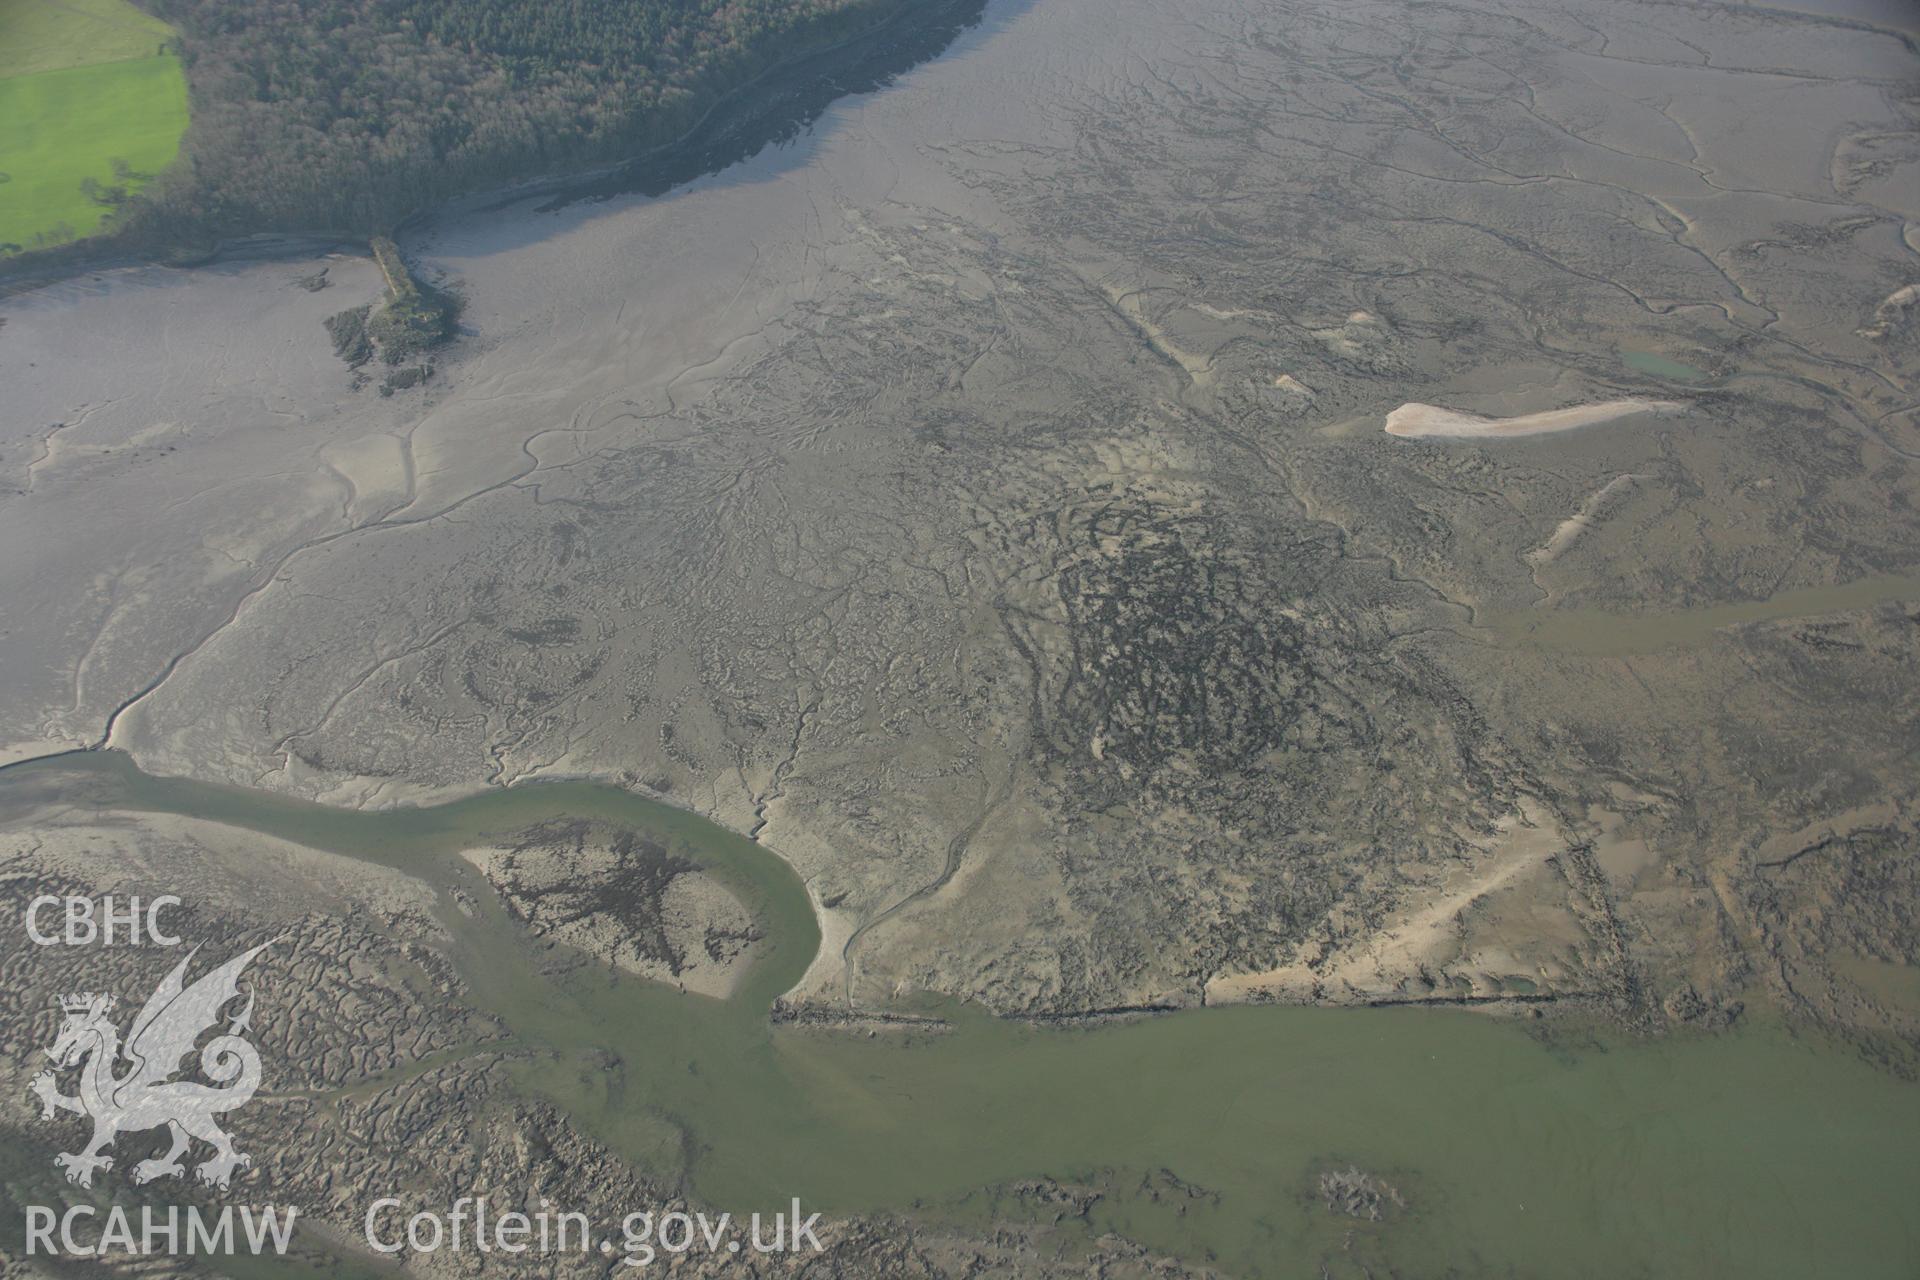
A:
{"points": [[980, 500], [980, 497]]}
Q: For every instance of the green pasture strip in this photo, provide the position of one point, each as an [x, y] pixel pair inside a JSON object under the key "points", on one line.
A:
{"points": [[60, 128]]}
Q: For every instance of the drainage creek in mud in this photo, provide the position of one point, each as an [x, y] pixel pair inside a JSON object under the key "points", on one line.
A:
{"points": [[1515, 1151]]}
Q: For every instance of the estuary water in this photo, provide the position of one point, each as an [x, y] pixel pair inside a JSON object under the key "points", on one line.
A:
{"points": [[1534, 1148]]}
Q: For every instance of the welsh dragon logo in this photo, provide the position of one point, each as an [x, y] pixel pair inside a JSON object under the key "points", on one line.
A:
{"points": [[144, 1095]]}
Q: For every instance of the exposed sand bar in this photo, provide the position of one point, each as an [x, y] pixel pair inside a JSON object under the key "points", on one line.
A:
{"points": [[1431, 420], [1579, 522]]}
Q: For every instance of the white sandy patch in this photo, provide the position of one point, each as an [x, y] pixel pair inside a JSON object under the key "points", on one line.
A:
{"points": [[374, 469], [1891, 312], [1588, 516], [1426, 936], [1355, 338], [1417, 420]]}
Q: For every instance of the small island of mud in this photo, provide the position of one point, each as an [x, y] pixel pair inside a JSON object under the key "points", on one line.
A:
{"points": [[625, 898]]}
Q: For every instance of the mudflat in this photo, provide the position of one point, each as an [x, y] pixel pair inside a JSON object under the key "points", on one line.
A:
{"points": [[974, 500]]}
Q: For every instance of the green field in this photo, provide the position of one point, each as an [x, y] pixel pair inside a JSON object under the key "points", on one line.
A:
{"points": [[86, 95]]}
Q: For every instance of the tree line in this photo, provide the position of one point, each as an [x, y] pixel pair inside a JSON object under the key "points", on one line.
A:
{"points": [[349, 115]]}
